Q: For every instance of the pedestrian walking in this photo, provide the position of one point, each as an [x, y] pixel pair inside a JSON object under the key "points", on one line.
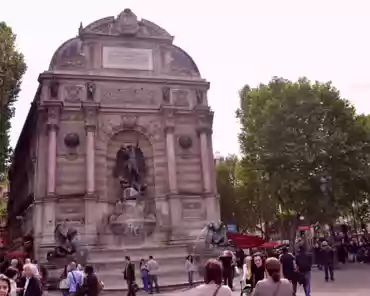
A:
{"points": [[328, 260], [304, 264]]}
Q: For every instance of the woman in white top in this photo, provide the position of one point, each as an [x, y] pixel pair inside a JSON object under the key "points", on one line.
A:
{"points": [[247, 271], [212, 281], [190, 269]]}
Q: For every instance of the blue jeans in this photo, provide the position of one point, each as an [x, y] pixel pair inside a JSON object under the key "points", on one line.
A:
{"points": [[307, 283], [145, 283], [190, 277]]}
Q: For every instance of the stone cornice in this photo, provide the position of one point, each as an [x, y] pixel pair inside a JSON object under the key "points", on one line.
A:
{"points": [[98, 77]]}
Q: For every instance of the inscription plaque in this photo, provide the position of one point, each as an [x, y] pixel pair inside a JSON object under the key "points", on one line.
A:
{"points": [[127, 58]]}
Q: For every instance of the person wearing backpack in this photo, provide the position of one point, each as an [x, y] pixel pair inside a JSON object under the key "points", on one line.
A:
{"points": [[304, 263], [74, 281]]}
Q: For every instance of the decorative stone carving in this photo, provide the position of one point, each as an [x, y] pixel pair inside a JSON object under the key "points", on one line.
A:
{"points": [[127, 22], [90, 116], [185, 142], [128, 121], [200, 96], [180, 98], [72, 140], [53, 115], [54, 88], [73, 93], [129, 96], [90, 91], [166, 92], [177, 62]]}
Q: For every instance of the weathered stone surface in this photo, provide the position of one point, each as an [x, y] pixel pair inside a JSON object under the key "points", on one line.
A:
{"points": [[121, 82]]}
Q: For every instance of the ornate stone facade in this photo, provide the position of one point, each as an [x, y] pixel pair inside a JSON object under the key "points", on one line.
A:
{"points": [[121, 82]]}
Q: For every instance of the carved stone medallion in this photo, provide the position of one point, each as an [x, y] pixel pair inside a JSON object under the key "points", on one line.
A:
{"points": [[180, 98], [73, 93]]}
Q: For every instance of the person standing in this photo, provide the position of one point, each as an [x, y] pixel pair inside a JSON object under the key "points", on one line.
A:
{"points": [[29, 282], [273, 284], [74, 280], [144, 274], [129, 276], [258, 268], [190, 269], [328, 260], [226, 259], [304, 264], [91, 283], [288, 265], [153, 268]]}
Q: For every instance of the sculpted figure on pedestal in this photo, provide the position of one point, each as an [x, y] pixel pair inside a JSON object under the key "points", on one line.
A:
{"points": [[130, 168]]}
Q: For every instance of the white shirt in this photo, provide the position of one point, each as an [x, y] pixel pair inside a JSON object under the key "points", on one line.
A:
{"points": [[26, 285], [209, 290]]}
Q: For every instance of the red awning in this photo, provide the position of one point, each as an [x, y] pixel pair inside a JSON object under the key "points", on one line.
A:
{"points": [[270, 245], [245, 241], [17, 254]]}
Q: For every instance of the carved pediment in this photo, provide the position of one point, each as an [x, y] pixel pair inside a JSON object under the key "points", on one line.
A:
{"points": [[126, 24]]}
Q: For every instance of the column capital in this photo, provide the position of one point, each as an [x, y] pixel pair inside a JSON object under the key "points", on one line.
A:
{"points": [[169, 129], [91, 113], [53, 109], [90, 127], [204, 130]]}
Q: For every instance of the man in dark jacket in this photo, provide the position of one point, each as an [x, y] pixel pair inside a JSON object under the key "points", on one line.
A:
{"points": [[227, 267], [29, 282], [129, 275], [288, 265], [328, 260], [304, 263], [91, 283]]}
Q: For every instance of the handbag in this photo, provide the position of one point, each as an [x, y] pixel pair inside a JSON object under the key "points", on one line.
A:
{"points": [[63, 284]]}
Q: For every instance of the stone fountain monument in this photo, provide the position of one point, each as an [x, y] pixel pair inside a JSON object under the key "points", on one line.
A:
{"points": [[119, 137]]}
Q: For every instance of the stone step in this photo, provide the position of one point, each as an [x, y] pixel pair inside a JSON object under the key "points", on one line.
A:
{"points": [[137, 253]]}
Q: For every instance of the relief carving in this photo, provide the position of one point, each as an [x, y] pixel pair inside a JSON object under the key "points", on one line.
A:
{"points": [[73, 93], [53, 115], [90, 116], [166, 91], [54, 88], [90, 91], [129, 96], [127, 22], [180, 98], [200, 96]]}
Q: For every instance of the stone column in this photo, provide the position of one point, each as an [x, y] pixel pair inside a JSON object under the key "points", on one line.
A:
{"points": [[52, 154], [204, 152], [90, 160], [90, 198], [53, 110], [171, 159]]}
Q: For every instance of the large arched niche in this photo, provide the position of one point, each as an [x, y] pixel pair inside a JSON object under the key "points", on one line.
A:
{"points": [[125, 138]]}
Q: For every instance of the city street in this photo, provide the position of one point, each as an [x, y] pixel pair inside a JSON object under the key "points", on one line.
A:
{"points": [[350, 280]]}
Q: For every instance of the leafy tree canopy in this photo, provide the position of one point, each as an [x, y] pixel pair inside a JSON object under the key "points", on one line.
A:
{"points": [[12, 68]]}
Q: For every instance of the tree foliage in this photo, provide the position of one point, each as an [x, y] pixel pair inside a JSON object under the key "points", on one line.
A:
{"points": [[304, 152], [12, 68]]}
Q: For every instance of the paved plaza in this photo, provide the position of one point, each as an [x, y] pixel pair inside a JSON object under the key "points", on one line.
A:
{"points": [[350, 280]]}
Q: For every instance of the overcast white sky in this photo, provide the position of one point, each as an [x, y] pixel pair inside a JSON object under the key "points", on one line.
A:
{"points": [[233, 42]]}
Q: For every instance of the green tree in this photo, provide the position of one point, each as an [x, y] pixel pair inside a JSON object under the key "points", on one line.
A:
{"points": [[12, 68], [305, 142]]}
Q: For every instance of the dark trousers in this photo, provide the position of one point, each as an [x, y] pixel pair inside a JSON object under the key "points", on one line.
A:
{"points": [[329, 270], [228, 279], [190, 277], [130, 288], [153, 280]]}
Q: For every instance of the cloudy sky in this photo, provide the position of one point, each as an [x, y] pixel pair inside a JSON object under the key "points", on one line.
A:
{"points": [[233, 42]]}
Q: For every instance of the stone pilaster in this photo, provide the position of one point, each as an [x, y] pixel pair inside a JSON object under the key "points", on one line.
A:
{"points": [[171, 159], [90, 199]]}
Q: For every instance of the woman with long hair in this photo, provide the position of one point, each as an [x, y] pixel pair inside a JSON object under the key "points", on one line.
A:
{"points": [[190, 269], [5, 286], [212, 281], [273, 285], [257, 268]]}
